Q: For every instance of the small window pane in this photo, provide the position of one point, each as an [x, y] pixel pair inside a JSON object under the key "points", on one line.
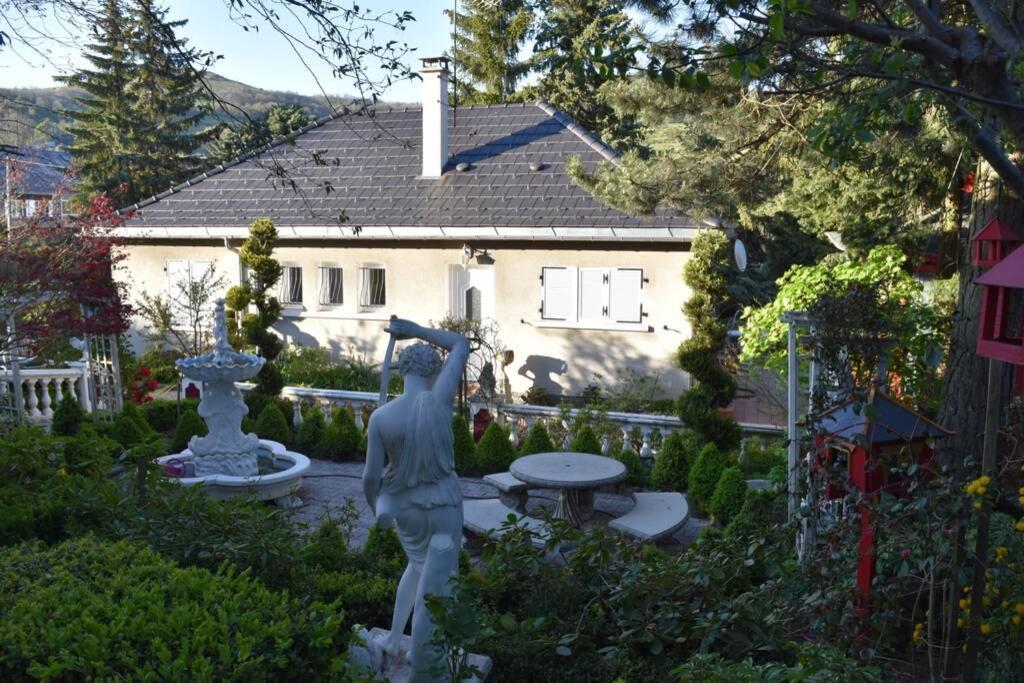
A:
{"points": [[331, 293], [291, 285], [372, 291], [474, 304]]}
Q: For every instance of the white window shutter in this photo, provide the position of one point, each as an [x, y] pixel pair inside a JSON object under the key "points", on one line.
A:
{"points": [[458, 280], [626, 295], [593, 294], [558, 294]]}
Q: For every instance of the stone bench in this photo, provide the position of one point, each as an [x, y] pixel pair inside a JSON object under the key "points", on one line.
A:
{"points": [[655, 514], [487, 517], [518, 492]]}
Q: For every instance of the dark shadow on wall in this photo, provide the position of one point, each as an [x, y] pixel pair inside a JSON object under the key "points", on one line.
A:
{"points": [[539, 370], [293, 336]]}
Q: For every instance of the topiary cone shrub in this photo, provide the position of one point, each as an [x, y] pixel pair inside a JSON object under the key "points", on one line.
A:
{"points": [[272, 425], [671, 468], [586, 441], [537, 440], [68, 416], [704, 477], [342, 438], [494, 453], [311, 431], [636, 473], [465, 449], [190, 424], [757, 514], [730, 492]]}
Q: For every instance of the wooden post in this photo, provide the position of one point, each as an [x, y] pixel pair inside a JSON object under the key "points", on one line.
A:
{"points": [[988, 467], [792, 404]]}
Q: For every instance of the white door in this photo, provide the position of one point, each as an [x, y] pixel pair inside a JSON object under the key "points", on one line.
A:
{"points": [[472, 293]]}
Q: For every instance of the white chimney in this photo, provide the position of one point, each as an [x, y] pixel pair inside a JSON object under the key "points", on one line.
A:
{"points": [[435, 115]]}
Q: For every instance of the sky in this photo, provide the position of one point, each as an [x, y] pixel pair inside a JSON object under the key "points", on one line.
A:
{"points": [[263, 60]]}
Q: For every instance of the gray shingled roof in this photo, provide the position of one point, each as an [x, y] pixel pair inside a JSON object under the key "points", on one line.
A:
{"points": [[41, 172], [373, 167]]}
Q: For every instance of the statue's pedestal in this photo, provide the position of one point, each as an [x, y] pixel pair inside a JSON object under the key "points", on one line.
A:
{"points": [[396, 669], [231, 465]]}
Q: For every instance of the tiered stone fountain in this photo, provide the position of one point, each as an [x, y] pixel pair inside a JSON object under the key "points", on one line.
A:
{"points": [[227, 462]]}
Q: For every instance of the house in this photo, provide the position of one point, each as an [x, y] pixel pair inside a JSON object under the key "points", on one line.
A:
{"points": [[36, 183], [421, 212]]}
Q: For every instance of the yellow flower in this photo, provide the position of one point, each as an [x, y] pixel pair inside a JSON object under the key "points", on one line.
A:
{"points": [[1020, 525], [977, 506], [967, 589], [959, 622], [984, 480], [1001, 553], [985, 601], [62, 472], [1021, 500], [1021, 490], [1016, 619], [1019, 608], [964, 604], [985, 629]]}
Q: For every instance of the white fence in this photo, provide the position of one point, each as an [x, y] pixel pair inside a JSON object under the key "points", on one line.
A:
{"points": [[644, 430], [35, 392]]}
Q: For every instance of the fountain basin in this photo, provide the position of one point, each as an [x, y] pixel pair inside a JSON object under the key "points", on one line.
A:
{"points": [[279, 485]]}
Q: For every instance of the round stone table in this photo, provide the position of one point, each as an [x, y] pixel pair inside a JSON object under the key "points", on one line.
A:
{"points": [[575, 475]]}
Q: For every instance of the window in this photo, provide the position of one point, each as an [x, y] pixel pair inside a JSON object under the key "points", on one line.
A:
{"points": [[372, 287], [605, 296], [291, 285], [331, 291]]}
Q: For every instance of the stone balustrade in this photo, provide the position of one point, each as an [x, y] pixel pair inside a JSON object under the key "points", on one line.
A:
{"points": [[643, 431], [38, 390]]}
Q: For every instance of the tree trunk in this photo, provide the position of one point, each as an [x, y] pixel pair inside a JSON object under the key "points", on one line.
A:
{"points": [[962, 403]]}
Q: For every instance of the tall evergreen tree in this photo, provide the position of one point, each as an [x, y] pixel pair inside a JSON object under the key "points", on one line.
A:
{"points": [[99, 127], [488, 37], [165, 97], [277, 122], [136, 133]]}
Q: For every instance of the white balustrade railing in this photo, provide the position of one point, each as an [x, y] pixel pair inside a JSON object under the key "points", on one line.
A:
{"points": [[39, 390], [327, 399], [643, 431]]}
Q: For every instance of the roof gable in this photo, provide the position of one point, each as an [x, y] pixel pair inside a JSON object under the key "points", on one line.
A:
{"points": [[506, 169]]}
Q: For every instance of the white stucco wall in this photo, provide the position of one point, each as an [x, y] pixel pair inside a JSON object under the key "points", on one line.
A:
{"points": [[560, 359]]}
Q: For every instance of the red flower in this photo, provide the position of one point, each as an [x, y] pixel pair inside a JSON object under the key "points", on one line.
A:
{"points": [[145, 372], [151, 384]]}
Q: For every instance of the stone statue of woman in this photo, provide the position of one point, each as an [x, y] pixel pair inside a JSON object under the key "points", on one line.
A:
{"points": [[410, 482]]}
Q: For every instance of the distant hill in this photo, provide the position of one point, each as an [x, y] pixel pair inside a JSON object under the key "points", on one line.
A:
{"points": [[32, 116]]}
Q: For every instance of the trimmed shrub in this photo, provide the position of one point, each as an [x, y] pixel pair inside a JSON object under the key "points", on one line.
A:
{"points": [[779, 476], [494, 453], [68, 416], [586, 441], [132, 412], [671, 468], [248, 425], [730, 492], [465, 449], [89, 453], [761, 457], [636, 473], [271, 424], [190, 424], [162, 415], [757, 513], [341, 438], [704, 477], [127, 432], [537, 440], [120, 611], [311, 432]]}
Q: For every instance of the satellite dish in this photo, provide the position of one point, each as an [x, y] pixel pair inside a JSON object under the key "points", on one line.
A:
{"points": [[739, 253]]}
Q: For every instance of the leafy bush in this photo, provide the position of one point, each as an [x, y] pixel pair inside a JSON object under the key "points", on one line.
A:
{"points": [[127, 432], [537, 440], [342, 437], [757, 514], [132, 412], [813, 663], [162, 415], [308, 366], [539, 396], [779, 476], [189, 425], [119, 610], [730, 492], [465, 449], [762, 456], [68, 416], [636, 473], [672, 464], [311, 432], [271, 424], [494, 453], [586, 441], [161, 364], [704, 477]]}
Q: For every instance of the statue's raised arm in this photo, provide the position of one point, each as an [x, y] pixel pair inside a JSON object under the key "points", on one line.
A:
{"points": [[446, 385]]}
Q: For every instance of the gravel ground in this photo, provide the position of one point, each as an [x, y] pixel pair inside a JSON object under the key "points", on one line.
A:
{"points": [[327, 486]]}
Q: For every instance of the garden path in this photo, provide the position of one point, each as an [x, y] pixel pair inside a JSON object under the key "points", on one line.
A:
{"points": [[327, 486]]}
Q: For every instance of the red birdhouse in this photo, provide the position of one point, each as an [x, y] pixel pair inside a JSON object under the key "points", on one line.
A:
{"points": [[993, 243], [1002, 310], [871, 437]]}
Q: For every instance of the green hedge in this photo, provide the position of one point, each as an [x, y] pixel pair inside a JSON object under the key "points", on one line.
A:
{"points": [[162, 414], [729, 494], [271, 424], [494, 453], [537, 440], [704, 477], [586, 441], [465, 449], [90, 609], [189, 425], [68, 416], [671, 468]]}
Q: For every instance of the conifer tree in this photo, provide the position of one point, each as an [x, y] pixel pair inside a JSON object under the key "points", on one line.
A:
{"points": [[488, 37], [136, 133], [99, 128]]}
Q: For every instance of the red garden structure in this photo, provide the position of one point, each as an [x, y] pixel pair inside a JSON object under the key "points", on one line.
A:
{"points": [[872, 436], [993, 243]]}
